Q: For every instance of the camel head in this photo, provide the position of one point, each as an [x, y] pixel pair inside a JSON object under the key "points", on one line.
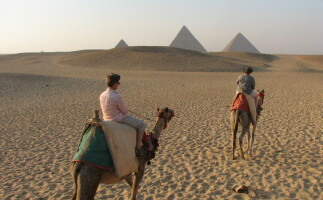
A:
{"points": [[261, 91], [165, 113], [164, 116], [261, 96]]}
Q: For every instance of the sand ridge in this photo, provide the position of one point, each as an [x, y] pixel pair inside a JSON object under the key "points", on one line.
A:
{"points": [[152, 58]]}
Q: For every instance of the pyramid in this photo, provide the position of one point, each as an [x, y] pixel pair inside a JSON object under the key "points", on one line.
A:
{"points": [[122, 43], [240, 44], [185, 40]]}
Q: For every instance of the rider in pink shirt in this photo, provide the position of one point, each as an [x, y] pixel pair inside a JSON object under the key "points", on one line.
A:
{"points": [[114, 109], [112, 105]]}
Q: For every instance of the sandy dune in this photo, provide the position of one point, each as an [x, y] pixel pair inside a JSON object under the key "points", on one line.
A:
{"points": [[152, 59], [44, 105], [145, 58]]}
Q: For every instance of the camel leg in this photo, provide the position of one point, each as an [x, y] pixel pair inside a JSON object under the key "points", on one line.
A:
{"points": [[245, 121], [137, 179], [249, 139], [88, 181], [252, 138], [243, 131], [134, 187], [234, 136], [129, 180], [234, 127]]}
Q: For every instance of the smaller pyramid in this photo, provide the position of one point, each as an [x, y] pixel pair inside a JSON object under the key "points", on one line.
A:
{"points": [[122, 43], [240, 44], [185, 40]]}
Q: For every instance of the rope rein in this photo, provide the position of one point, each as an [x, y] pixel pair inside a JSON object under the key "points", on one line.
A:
{"points": [[153, 120], [141, 116]]}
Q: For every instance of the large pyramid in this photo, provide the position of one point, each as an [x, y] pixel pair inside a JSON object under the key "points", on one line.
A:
{"points": [[185, 40], [122, 43], [240, 44]]}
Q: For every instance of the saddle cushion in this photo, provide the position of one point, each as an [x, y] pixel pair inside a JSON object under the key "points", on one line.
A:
{"points": [[93, 148], [121, 140]]}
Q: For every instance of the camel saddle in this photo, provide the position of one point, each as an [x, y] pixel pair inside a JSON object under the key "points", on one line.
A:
{"points": [[93, 148], [108, 145], [246, 103], [121, 140]]}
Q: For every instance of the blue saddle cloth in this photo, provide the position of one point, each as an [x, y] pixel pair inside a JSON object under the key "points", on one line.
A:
{"points": [[93, 148]]}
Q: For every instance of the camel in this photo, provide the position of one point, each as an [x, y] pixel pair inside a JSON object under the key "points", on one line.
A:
{"points": [[244, 118], [87, 178]]}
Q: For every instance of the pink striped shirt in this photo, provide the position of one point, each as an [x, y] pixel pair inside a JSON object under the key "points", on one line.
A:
{"points": [[112, 106]]}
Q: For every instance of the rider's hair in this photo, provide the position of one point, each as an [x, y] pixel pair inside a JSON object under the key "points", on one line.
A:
{"points": [[112, 79], [247, 70]]}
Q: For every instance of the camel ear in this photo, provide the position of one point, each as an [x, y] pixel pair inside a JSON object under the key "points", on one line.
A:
{"points": [[158, 109], [166, 109]]}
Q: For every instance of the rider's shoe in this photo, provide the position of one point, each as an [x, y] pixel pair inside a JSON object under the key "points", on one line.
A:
{"points": [[140, 152]]}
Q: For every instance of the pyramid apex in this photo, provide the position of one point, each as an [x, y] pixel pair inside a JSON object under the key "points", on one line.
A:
{"points": [[240, 35], [240, 44], [184, 28], [185, 40], [121, 43]]}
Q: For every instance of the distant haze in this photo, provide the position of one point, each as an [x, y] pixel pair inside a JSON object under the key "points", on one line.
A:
{"points": [[274, 27]]}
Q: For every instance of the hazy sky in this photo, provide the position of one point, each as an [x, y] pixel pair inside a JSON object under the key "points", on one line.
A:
{"points": [[273, 26]]}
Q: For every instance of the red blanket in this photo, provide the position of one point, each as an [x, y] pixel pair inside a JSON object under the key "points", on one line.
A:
{"points": [[240, 103]]}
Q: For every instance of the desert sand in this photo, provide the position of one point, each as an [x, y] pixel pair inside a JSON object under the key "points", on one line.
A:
{"points": [[47, 97]]}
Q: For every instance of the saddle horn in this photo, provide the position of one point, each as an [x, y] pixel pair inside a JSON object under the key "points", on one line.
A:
{"points": [[96, 117]]}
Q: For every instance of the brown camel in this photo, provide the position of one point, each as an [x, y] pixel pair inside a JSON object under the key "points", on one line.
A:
{"points": [[87, 178], [244, 118]]}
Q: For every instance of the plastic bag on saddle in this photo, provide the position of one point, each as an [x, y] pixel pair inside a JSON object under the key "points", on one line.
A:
{"points": [[121, 140]]}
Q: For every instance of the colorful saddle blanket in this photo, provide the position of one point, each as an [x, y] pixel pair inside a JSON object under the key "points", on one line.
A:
{"points": [[245, 103], [93, 148], [240, 103]]}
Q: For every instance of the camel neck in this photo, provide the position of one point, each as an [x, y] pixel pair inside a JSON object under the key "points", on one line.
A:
{"points": [[159, 126]]}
